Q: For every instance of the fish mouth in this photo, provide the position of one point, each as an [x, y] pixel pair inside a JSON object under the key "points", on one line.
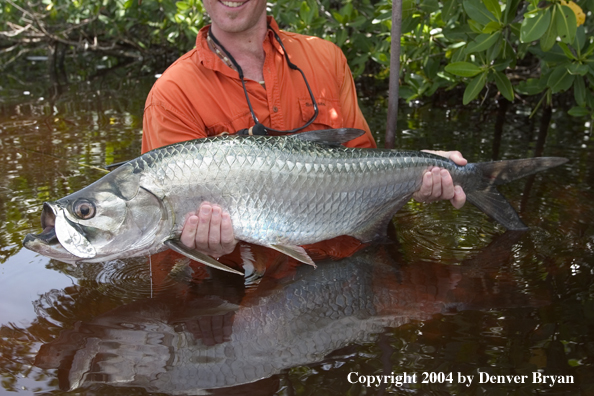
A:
{"points": [[58, 242], [48, 218], [47, 244], [48, 236]]}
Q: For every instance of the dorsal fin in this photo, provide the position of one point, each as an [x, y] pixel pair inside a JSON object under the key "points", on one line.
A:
{"points": [[332, 137]]}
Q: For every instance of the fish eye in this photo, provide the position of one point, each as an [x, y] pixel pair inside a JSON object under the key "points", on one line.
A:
{"points": [[84, 209]]}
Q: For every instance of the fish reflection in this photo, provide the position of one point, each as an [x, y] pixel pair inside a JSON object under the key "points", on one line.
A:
{"points": [[216, 340]]}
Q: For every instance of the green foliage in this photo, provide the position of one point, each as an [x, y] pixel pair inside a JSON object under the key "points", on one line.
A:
{"points": [[361, 28], [513, 47], [484, 43], [119, 28]]}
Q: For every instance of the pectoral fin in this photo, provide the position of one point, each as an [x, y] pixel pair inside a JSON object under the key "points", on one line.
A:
{"points": [[177, 246], [297, 252]]}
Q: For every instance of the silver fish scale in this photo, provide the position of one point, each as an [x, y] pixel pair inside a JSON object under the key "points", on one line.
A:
{"points": [[269, 184]]}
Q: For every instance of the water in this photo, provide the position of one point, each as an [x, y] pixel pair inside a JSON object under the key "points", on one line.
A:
{"points": [[453, 294]]}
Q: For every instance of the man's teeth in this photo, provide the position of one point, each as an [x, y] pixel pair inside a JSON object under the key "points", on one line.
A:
{"points": [[232, 4]]}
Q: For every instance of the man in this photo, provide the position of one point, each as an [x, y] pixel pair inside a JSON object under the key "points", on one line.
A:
{"points": [[239, 75]]}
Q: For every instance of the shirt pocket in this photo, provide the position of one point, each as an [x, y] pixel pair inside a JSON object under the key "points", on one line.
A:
{"points": [[329, 113]]}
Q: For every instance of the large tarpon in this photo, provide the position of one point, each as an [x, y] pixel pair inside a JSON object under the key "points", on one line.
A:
{"points": [[281, 192]]}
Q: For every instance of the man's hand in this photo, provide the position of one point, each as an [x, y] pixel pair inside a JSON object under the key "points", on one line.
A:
{"points": [[438, 184], [209, 231]]}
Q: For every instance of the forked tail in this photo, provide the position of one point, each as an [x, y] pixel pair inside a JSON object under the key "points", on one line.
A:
{"points": [[492, 202]]}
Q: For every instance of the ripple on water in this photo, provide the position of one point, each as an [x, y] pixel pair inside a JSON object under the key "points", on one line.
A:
{"points": [[435, 232], [123, 279]]}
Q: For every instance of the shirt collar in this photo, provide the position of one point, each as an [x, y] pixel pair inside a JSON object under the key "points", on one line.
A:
{"points": [[210, 60]]}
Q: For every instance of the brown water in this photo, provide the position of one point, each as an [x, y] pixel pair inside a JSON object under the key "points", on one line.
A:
{"points": [[453, 294]]}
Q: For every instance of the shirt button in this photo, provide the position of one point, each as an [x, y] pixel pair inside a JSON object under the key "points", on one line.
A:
{"points": [[275, 109]]}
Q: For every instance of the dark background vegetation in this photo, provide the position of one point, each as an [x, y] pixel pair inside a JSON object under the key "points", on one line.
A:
{"points": [[532, 51]]}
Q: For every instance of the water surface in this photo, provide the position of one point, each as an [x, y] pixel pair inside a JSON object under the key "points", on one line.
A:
{"points": [[453, 293]]}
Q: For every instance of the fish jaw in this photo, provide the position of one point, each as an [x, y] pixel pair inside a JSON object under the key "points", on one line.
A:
{"points": [[62, 242], [47, 244]]}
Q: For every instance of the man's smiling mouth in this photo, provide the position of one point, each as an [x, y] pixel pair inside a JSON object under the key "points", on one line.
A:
{"points": [[233, 4]]}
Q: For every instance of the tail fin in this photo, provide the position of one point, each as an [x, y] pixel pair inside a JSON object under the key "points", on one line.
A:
{"points": [[492, 202]]}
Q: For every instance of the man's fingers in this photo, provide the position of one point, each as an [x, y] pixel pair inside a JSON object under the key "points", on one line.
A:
{"points": [[436, 186], [221, 239], [228, 240], [209, 230], [214, 233], [188, 236], [447, 185], [459, 197], [203, 229], [457, 157]]}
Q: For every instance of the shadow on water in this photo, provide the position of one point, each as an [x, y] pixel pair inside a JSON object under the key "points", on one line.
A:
{"points": [[454, 293]]}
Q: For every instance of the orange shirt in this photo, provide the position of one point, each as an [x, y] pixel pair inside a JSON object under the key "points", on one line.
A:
{"points": [[200, 96]]}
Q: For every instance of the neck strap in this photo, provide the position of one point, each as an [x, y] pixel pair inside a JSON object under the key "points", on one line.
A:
{"points": [[291, 65]]}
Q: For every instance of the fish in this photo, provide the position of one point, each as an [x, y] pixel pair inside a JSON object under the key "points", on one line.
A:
{"points": [[163, 345], [281, 192]]}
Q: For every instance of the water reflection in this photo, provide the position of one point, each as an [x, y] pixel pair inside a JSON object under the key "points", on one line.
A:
{"points": [[207, 339]]}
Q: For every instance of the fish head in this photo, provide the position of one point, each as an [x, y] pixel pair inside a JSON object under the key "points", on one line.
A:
{"points": [[111, 218]]}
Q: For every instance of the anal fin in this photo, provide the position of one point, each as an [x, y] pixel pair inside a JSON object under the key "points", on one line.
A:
{"points": [[297, 252], [494, 204], [177, 246]]}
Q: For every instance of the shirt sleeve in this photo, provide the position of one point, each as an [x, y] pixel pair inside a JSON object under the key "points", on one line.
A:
{"points": [[163, 124], [352, 115]]}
